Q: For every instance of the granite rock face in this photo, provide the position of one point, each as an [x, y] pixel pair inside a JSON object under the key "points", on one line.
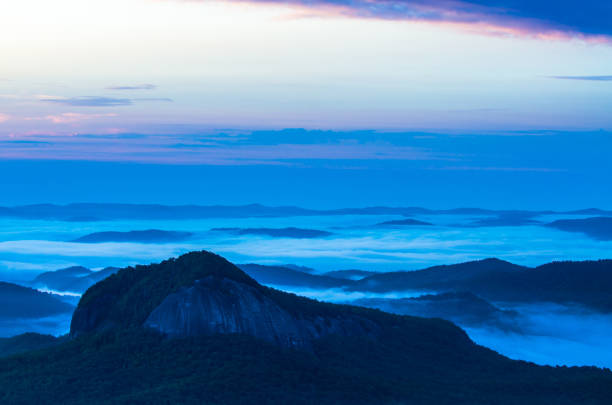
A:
{"points": [[222, 306]]}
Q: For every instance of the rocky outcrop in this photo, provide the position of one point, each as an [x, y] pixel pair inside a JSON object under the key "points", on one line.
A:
{"points": [[216, 305]]}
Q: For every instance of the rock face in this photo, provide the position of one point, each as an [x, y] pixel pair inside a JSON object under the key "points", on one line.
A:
{"points": [[222, 306], [200, 294]]}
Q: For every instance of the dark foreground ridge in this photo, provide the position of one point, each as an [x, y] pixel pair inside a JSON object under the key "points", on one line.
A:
{"points": [[198, 330]]}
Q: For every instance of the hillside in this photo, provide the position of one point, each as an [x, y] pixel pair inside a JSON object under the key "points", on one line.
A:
{"points": [[465, 309], [349, 274], [596, 227], [405, 222], [18, 302], [586, 283], [119, 353], [147, 236], [27, 342], [297, 233], [72, 279], [284, 276]]}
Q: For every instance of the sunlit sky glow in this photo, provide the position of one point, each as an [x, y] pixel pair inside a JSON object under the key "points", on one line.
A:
{"points": [[186, 82], [244, 65]]}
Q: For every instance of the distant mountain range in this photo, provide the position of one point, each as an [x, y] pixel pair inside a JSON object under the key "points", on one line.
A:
{"points": [[284, 276], [462, 308], [28, 342], [197, 329], [405, 222], [585, 283], [17, 302], [596, 227], [72, 279], [349, 274], [297, 233], [98, 212], [147, 236]]}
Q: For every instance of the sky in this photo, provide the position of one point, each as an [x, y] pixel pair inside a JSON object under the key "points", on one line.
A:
{"points": [[495, 103]]}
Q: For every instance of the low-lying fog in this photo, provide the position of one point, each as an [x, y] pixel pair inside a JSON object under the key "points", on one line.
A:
{"points": [[550, 334], [53, 325], [553, 335]]}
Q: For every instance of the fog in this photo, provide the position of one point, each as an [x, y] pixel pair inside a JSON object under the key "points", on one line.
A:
{"points": [[553, 335], [53, 325], [341, 296], [550, 334]]}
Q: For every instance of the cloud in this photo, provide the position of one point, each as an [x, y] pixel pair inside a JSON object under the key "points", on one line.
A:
{"points": [[71, 118], [3, 118], [87, 101], [146, 86], [160, 99], [94, 101], [545, 18], [499, 169], [587, 78]]}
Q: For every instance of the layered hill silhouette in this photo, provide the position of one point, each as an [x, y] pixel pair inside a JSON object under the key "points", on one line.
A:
{"points": [[297, 233], [17, 302], [147, 236], [352, 274], [462, 308], [197, 329], [595, 227], [405, 222], [75, 279], [94, 212], [586, 283], [285, 276], [28, 342]]}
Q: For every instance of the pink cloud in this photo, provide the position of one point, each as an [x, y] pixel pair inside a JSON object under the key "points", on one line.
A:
{"points": [[70, 118], [541, 19]]}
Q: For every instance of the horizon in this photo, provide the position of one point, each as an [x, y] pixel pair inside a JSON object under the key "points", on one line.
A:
{"points": [[325, 209], [403, 102], [469, 139], [541, 170]]}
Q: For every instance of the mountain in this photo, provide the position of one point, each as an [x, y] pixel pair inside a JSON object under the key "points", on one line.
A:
{"points": [[17, 302], [72, 279], [405, 222], [519, 219], [437, 277], [297, 233], [197, 329], [463, 308], [586, 283], [87, 212], [349, 274], [202, 294], [27, 342], [148, 236], [596, 227], [285, 276]]}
